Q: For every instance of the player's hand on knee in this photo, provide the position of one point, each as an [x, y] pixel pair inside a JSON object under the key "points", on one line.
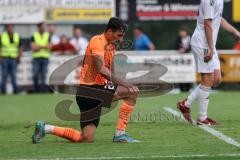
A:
{"points": [[134, 90]]}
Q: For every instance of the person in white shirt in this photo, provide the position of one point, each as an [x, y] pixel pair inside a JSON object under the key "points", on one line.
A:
{"points": [[203, 43], [54, 38], [182, 43], [78, 41]]}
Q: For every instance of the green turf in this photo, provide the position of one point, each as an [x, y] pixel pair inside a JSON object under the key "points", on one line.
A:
{"points": [[163, 135]]}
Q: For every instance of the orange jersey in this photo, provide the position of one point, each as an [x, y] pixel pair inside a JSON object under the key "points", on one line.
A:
{"points": [[98, 45]]}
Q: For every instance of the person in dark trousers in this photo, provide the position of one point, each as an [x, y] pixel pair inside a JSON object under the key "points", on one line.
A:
{"points": [[41, 46], [11, 52]]}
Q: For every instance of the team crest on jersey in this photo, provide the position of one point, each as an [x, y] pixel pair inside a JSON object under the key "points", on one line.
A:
{"points": [[212, 2]]}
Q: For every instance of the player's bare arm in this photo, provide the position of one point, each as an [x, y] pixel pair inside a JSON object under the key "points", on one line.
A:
{"points": [[228, 27], [106, 73], [209, 36]]}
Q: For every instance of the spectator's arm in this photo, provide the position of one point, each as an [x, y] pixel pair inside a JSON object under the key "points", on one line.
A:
{"points": [[33, 46], [56, 50], [20, 50], [50, 45], [149, 44], [228, 27], [36, 48], [71, 49], [20, 53], [68, 52]]}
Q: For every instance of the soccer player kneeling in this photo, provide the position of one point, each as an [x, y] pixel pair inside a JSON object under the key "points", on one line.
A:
{"points": [[97, 77]]}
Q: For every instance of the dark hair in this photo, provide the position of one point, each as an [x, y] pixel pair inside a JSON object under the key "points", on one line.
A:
{"points": [[76, 27], [137, 26], [7, 25], [63, 35], [184, 28], [40, 24], [115, 24]]}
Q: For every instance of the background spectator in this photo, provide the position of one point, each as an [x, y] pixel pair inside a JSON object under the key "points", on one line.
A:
{"points": [[78, 41], [64, 47], [141, 40], [40, 45], [11, 52], [54, 38], [182, 43]]}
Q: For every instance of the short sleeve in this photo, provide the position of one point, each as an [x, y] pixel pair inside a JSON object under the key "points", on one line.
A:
{"points": [[70, 46], [208, 9], [147, 41], [97, 46]]}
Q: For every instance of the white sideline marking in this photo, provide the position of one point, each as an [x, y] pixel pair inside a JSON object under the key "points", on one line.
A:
{"points": [[137, 157], [208, 129]]}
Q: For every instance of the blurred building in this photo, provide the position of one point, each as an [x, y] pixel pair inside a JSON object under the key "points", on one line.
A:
{"points": [[64, 13]]}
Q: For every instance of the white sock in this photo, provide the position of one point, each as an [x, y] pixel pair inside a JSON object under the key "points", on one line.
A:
{"points": [[48, 128], [119, 132], [192, 97], [204, 93]]}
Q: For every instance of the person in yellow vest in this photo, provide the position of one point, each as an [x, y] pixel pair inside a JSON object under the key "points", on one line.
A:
{"points": [[10, 52], [41, 46]]}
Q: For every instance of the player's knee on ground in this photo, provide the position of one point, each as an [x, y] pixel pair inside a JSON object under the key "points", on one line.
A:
{"points": [[87, 138]]}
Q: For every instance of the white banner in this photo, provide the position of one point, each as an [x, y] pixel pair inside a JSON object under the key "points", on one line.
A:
{"points": [[87, 4], [180, 68], [21, 15], [24, 70], [35, 11]]}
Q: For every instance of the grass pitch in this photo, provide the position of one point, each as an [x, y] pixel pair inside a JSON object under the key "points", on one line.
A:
{"points": [[163, 136]]}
